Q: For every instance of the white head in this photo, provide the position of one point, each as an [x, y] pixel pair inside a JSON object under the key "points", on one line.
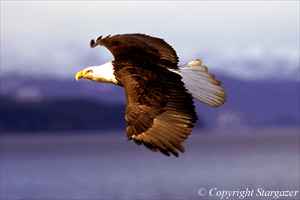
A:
{"points": [[102, 73]]}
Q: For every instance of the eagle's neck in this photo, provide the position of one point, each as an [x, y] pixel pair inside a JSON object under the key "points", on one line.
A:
{"points": [[104, 73]]}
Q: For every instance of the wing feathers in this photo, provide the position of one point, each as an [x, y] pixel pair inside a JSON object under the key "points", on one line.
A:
{"points": [[168, 130], [139, 45], [159, 117]]}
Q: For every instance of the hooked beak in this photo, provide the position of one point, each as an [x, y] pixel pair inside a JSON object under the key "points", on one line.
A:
{"points": [[79, 75]]}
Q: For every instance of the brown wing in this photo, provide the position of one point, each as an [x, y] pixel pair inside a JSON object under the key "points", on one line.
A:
{"points": [[160, 113], [139, 45]]}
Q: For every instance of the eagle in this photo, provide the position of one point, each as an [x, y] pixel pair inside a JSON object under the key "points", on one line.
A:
{"points": [[160, 111]]}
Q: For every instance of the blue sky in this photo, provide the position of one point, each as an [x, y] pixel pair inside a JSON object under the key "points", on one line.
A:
{"points": [[43, 38]]}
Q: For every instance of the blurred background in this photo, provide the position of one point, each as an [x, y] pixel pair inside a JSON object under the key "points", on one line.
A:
{"points": [[66, 139]]}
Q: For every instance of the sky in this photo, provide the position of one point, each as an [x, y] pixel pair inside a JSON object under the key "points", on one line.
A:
{"points": [[245, 39]]}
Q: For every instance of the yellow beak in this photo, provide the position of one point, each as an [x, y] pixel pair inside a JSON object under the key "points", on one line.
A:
{"points": [[79, 75]]}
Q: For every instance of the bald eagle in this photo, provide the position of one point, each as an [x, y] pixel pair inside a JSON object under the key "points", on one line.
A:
{"points": [[160, 111]]}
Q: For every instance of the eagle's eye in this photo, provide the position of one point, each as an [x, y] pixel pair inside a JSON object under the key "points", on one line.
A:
{"points": [[89, 71]]}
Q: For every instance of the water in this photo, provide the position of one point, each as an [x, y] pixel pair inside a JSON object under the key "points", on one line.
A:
{"points": [[93, 166]]}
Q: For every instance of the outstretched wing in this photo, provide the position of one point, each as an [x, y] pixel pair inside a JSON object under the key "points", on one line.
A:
{"points": [[139, 45], [160, 113]]}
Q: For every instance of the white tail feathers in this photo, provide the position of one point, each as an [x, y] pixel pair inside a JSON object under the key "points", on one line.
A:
{"points": [[201, 84]]}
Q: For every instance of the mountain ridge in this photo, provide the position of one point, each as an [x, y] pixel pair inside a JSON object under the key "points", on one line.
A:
{"points": [[249, 103]]}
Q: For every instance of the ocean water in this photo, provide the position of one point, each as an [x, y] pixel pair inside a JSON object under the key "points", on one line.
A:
{"points": [[106, 166]]}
